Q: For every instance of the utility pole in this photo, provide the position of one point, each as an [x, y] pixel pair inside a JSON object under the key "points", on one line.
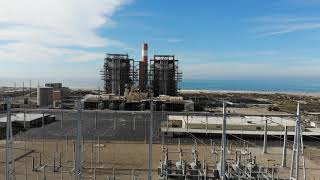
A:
{"points": [[223, 146], [10, 169], [24, 107], [265, 137], [95, 119], [61, 125], [150, 141], [78, 161], [134, 121], [30, 91], [297, 149], [284, 151]]}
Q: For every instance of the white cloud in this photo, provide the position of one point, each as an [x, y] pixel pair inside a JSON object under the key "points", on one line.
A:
{"points": [[52, 30], [277, 25], [25, 53], [170, 40], [174, 40]]}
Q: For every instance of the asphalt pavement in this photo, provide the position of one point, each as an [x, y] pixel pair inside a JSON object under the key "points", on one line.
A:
{"points": [[107, 125]]}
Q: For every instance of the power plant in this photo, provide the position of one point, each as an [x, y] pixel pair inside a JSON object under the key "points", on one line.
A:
{"points": [[158, 79], [157, 76]]}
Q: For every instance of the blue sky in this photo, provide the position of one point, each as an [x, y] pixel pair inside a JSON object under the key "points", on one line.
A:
{"points": [[248, 39]]}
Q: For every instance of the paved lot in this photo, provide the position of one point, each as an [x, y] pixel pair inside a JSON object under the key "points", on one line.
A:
{"points": [[126, 126], [122, 126]]}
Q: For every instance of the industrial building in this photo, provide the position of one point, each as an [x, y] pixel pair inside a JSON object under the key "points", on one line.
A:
{"points": [[44, 96], [164, 75], [58, 94], [137, 103], [118, 73], [27, 120], [237, 125], [104, 101], [247, 123]]}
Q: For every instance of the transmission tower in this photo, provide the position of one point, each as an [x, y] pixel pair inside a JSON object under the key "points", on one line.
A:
{"points": [[223, 146], [10, 171], [78, 158], [297, 150]]}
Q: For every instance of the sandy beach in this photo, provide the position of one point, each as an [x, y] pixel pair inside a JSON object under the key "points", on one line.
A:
{"points": [[313, 94]]}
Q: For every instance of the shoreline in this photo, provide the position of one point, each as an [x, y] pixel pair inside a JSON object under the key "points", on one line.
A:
{"points": [[315, 94], [198, 91]]}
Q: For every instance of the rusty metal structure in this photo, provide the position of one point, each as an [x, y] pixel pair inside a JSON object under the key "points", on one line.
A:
{"points": [[164, 75], [118, 73]]}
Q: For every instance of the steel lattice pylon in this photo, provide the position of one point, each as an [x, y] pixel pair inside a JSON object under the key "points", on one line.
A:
{"points": [[223, 145], [297, 150], [10, 169], [78, 154]]}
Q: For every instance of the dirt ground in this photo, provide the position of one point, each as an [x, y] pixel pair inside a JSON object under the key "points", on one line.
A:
{"points": [[124, 157], [255, 110]]}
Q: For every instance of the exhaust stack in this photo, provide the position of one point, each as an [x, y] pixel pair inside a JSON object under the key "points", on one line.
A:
{"points": [[143, 69], [145, 53]]}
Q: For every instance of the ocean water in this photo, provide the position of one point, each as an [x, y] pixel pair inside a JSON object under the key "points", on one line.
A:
{"points": [[304, 86], [292, 85]]}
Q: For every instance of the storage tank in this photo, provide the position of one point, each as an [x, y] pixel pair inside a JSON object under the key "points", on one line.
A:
{"points": [[44, 96]]}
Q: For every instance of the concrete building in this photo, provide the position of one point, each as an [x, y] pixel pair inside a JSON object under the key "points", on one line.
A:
{"points": [[59, 92], [236, 125], [44, 96]]}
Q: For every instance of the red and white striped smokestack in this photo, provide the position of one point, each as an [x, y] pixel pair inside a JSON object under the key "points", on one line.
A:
{"points": [[145, 53]]}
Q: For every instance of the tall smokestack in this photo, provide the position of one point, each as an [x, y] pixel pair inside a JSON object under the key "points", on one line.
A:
{"points": [[145, 52], [143, 69]]}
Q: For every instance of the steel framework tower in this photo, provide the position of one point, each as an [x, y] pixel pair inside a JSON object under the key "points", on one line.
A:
{"points": [[265, 137], [223, 145], [150, 142], [164, 75], [78, 158], [118, 73], [284, 150], [297, 150], [10, 169]]}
